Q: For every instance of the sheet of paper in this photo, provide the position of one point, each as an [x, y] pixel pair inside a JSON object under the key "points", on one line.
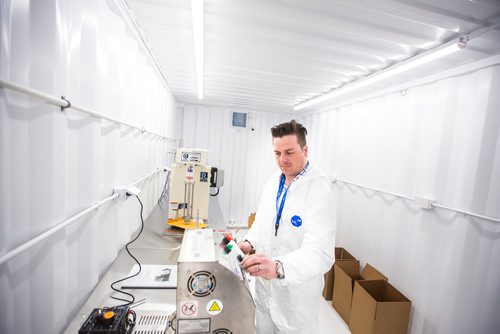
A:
{"points": [[152, 276]]}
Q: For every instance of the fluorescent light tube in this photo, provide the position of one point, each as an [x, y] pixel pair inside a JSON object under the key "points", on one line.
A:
{"points": [[197, 15], [384, 74]]}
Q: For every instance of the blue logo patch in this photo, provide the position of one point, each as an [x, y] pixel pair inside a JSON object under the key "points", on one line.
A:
{"points": [[296, 221]]}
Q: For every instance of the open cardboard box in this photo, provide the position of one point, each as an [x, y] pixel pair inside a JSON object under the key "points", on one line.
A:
{"points": [[340, 255], [346, 273], [378, 308]]}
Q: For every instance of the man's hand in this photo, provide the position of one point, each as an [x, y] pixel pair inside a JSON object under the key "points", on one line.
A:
{"points": [[259, 265], [245, 247]]}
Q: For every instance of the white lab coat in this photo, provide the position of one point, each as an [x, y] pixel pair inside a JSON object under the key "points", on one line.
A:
{"points": [[291, 305]]}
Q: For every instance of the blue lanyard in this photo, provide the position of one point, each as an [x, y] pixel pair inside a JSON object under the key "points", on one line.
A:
{"points": [[279, 210]]}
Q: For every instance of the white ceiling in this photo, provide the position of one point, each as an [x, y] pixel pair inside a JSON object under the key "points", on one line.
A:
{"points": [[269, 55]]}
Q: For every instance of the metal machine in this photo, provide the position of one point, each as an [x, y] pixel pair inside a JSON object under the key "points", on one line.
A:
{"points": [[190, 182], [213, 292]]}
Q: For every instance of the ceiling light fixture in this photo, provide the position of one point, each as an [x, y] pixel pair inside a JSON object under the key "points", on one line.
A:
{"points": [[197, 16], [404, 66]]}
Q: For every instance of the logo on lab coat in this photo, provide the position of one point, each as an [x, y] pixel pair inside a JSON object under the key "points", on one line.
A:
{"points": [[296, 221]]}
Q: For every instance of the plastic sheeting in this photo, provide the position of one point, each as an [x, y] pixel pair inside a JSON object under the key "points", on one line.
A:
{"points": [[55, 164]]}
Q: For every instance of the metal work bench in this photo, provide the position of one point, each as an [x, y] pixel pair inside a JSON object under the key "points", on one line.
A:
{"points": [[155, 246]]}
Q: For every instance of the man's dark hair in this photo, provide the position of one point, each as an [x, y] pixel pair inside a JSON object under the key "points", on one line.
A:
{"points": [[291, 128]]}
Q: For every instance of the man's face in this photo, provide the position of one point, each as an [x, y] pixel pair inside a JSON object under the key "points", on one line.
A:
{"points": [[290, 157]]}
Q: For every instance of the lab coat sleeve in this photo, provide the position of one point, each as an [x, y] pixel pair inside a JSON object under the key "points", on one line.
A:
{"points": [[316, 254]]}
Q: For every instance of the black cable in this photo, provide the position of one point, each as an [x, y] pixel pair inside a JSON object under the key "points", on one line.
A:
{"points": [[133, 315], [128, 302], [217, 193], [166, 186]]}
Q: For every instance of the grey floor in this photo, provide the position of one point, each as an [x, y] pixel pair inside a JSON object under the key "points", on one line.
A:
{"points": [[330, 322]]}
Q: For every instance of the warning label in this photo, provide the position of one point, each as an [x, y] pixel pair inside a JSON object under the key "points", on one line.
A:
{"points": [[185, 326], [214, 307], [190, 308]]}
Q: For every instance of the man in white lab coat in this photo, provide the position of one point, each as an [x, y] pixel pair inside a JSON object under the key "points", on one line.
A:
{"points": [[293, 237]]}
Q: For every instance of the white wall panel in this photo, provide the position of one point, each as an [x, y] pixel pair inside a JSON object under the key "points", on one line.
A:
{"points": [[246, 156], [55, 164], [440, 141]]}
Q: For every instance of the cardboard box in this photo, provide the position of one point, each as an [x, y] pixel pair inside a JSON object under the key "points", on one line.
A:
{"points": [[340, 255], [378, 308], [251, 219], [346, 273]]}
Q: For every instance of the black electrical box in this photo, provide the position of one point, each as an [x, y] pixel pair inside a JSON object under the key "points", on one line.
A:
{"points": [[113, 320]]}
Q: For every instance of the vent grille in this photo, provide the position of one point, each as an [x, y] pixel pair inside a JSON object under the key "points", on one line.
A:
{"points": [[151, 324], [201, 284], [222, 331]]}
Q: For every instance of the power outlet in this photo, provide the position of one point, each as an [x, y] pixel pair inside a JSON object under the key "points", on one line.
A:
{"points": [[125, 192], [424, 203]]}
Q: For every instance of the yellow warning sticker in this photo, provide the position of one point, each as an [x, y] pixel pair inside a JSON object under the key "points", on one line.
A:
{"points": [[214, 307]]}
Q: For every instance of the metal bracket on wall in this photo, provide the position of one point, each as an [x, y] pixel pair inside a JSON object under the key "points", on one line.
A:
{"points": [[66, 106]]}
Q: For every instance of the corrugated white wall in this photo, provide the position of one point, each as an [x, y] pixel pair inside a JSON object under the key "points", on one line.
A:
{"points": [[55, 164], [440, 141], [245, 155]]}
